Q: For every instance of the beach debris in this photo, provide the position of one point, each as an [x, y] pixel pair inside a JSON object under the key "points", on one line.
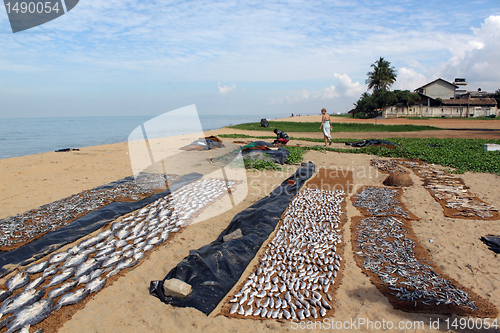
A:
{"points": [[24, 227], [176, 288], [233, 235], [448, 190], [76, 272], [299, 266], [31, 315], [398, 179]]}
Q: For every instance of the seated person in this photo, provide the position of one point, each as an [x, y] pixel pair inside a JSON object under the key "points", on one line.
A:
{"points": [[282, 137]]}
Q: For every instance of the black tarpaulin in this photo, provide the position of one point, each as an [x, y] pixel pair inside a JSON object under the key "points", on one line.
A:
{"points": [[493, 242], [213, 269], [364, 143], [80, 227]]}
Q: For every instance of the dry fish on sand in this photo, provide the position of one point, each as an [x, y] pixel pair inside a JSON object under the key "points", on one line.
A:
{"points": [[300, 265], [31, 224], [31, 315], [380, 201], [449, 190], [386, 250], [75, 273]]}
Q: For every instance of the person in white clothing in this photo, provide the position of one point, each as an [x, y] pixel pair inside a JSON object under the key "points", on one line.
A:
{"points": [[327, 126]]}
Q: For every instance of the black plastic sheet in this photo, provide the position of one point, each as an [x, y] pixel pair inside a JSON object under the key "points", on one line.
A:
{"points": [[364, 143], [80, 227], [493, 242], [213, 269]]}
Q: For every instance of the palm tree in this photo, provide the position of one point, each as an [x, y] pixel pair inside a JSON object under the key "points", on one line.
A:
{"points": [[382, 77]]}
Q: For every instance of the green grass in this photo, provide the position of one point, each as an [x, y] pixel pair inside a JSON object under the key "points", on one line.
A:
{"points": [[288, 126], [252, 163], [460, 154]]}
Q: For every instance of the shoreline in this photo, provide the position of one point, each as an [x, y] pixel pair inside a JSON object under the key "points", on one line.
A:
{"points": [[101, 164]]}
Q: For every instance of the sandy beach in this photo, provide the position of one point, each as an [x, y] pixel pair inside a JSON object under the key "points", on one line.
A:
{"points": [[453, 244]]}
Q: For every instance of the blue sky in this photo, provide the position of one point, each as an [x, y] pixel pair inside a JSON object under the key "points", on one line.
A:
{"points": [[123, 57]]}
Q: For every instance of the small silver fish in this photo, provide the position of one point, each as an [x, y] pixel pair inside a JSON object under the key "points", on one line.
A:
{"points": [[31, 315], [17, 281], [122, 234], [66, 274], [105, 251], [75, 260], [37, 268], [120, 243], [4, 294], [58, 257], [21, 300], [95, 285], [83, 279], [86, 267], [111, 261], [35, 283], [95, 274], [56, 292], [72, 298], [88, 242]]}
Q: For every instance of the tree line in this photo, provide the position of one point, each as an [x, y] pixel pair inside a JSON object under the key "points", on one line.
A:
{"points": [[380, 80]]}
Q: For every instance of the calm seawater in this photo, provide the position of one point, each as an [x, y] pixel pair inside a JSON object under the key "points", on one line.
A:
{"points": [[27, 136]]}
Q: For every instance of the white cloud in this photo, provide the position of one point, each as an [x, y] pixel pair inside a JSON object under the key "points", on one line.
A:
{"points": [[223, 90], [477, 59], [330, 92], [409, 79], [348, 88], [344, 88]]}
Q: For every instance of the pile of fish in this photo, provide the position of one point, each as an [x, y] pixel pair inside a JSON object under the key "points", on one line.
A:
{"points": [[68, 277], [450, 191], [26, 226], [299, 266], [379, 201], [386, 250], [389, 166]]}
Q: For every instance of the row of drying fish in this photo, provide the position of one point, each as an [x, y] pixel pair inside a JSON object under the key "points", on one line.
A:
{"points": [[26, 226], [68, 277], [380, 201], [451, 189], [299, 265], [386, 250], [389, 166]]}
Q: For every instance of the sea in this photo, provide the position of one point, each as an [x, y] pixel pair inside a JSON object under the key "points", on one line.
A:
{"points": [[27, 136]]}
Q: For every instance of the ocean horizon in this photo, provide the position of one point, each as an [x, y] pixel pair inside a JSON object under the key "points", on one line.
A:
{"points": [[28, 136]]}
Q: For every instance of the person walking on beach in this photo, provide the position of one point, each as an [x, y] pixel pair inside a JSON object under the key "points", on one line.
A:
{"points": [[282, 137], [327, 126]]}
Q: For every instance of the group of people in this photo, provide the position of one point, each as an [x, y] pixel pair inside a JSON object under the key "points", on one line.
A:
{"points": [[282, 138]]}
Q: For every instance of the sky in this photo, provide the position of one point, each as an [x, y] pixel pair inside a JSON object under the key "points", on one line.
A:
{"points": [[124, 57]]}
